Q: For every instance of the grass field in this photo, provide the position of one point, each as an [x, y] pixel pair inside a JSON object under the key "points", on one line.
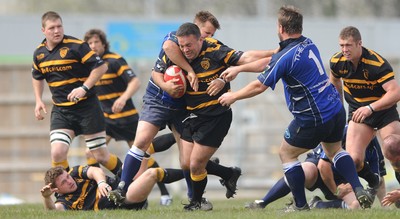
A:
{"points": [[222, 209]]}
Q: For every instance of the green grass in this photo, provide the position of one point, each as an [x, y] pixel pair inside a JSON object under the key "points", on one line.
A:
{"points": [[222, 209]]}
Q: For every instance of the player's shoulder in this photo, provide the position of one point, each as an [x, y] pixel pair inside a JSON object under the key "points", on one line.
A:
{"points": [[111, 55], [337, 58], [72, 40]]}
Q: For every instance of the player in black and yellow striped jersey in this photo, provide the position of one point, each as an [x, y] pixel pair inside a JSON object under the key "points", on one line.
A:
{"points": [[208, 121], [86, 188], [115, 90], [70, 69], [372, 93]]}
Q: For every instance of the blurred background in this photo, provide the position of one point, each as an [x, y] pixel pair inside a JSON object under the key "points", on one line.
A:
{"points": [[135, 29]]}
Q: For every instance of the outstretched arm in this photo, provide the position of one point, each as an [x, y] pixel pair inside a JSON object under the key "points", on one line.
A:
{"points": [[252, 89], [48, 203], [257, 66]]}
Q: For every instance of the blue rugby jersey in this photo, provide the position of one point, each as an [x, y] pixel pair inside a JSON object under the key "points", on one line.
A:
{"points": [[161, 65], [310, 96]]}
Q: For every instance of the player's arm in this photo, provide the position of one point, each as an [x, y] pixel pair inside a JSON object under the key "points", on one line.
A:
{"points": [[252, 89], [94, 76], [337, 82], [391, 97], [133, 86], [257, 66], [99, 176], [253, 55], [48, 203], [170, 87], [38, 86], [175, 55]]}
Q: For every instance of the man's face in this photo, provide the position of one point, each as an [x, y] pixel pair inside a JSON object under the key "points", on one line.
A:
{"points": [[65, 183], [96, 45], [53, 31], [206, 29], [190, 46], [351, 49]]}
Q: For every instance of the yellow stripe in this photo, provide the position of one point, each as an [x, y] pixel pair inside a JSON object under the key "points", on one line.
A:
{"points": [[208, 73], [391, 74], [228, 56], [200, 177], [110, 96], [69, 103], [196, 93], [359, 81], [111, 56], [122, 69], [65, 82], [82, 196], [72, 41], [109, 76], [203, 105], [120, 115], [87, 56], [57, 62]]}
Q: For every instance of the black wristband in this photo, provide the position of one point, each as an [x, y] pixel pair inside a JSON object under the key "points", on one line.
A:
{"points": [[84, 87], [370, 107]]}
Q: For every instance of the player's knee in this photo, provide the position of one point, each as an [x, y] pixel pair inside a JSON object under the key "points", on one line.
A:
{"points": [[60, 142]]}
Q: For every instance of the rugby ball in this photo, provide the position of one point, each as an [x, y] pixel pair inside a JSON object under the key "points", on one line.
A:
{"points": [[175, 71]]}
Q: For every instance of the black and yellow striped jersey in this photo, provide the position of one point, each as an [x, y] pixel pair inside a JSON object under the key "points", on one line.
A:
{"points": [[363, 85], [64, 68], [112, 85], [213, 59], [85, 197]]}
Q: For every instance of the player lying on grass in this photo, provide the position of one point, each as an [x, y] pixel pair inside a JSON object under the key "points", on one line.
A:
{"points": [[86, 188]]}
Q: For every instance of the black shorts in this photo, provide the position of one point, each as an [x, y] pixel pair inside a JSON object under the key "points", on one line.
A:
{"points": [[380, 119], [104, 203], [207, 130], [125, 132], [310, 137], [84, 118]]}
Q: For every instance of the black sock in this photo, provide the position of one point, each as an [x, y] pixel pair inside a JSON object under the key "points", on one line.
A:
{"points": [[218, 170], [163, 142], [369, 176]]}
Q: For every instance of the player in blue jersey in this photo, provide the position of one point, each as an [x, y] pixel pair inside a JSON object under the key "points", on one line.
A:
{"points": [[368, 84], [320, 174], [319, 116], [160, 109]]}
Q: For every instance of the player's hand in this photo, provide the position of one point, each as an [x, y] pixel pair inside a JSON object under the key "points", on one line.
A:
{"points": [[226, 99], [118, 105], [230, 73], [193, 80], [215, 86], [361, 114], [172, 88], [103, 188], [47, 191], [391, 197], [39, 107], [76, 94], [343, 190]]}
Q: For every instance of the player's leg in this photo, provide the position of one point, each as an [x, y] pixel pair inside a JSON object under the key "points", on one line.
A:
{"points": [[60, 140], [162, 143], [165, 199], [96, 143], [90, 159]]}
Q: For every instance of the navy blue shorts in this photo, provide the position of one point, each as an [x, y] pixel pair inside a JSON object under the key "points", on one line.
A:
{"points": [[159, 114], [310, 137], [207, 130], [84, 118]]}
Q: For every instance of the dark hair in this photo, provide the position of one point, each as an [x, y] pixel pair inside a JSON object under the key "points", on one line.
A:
{"points": [[350, 31], [204, 16], [187, 29], [50, 15], [100, 34], [291, 19], [52, 174]]}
